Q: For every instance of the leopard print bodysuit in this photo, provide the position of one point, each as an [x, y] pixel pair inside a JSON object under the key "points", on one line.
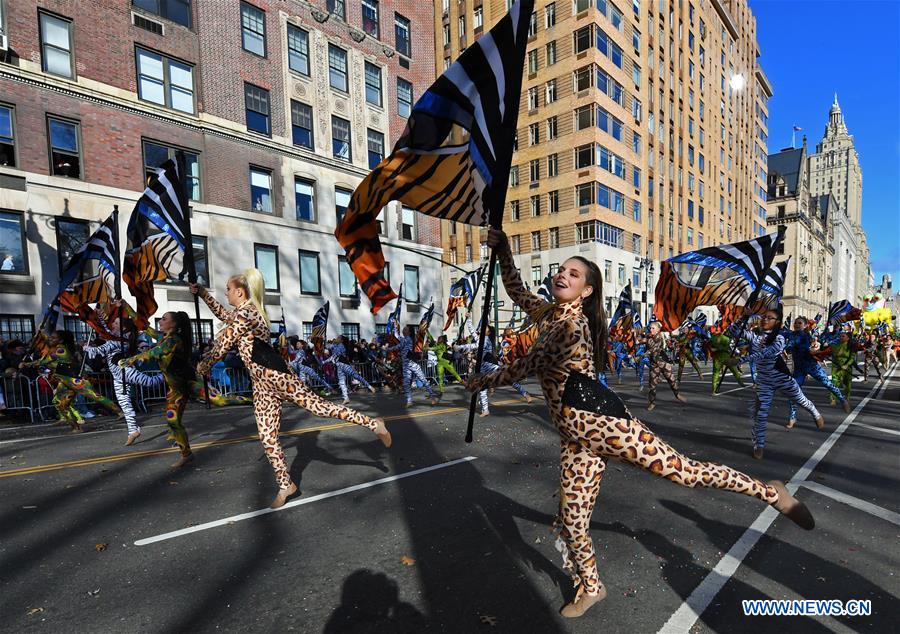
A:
{"points": [[563, 350], [246, 329]]}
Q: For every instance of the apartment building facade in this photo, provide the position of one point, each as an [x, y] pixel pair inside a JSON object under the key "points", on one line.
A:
{"points": [[281, 108], [642, 134]]}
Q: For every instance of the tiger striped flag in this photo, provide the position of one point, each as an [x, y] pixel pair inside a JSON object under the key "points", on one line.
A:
{"points": [[422, 330], [842, 311], [393, 322], [462, 292], [158, 233], [320, 322], [730, 274], [430, 169]]}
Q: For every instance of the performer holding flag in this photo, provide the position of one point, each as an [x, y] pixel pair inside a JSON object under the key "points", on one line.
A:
{"points": [[593, 423]]}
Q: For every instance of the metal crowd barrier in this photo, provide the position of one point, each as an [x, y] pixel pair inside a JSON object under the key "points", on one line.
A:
{"points": [[34, 397]]}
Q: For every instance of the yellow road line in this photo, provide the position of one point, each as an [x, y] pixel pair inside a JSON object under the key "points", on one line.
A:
{"points": [[85, 462]]}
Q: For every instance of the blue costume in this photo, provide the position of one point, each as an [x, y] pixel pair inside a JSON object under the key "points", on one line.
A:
{"points": [[772, 375], [642, 361], [410, 369], [306, 373], [799, 343], [344, 369], [488, 365]]}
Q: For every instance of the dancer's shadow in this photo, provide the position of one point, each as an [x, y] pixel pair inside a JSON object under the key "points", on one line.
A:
{"points": [[370, 602], [308, 450]]}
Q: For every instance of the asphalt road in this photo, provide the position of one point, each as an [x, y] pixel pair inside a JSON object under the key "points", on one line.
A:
{"points": [[463, 547]]}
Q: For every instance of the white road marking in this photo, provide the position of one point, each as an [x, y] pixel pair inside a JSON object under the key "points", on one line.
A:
{"points": [[881, 429], [122, 430], [296, 503], [737, 389], [857, 503], [683, 619]]}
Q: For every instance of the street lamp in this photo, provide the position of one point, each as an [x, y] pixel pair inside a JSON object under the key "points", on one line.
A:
{"points": [[646, 265]]}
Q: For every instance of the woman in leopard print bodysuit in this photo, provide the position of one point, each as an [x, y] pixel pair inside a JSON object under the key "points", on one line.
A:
{"points": [[247, 328], [593, 423]]}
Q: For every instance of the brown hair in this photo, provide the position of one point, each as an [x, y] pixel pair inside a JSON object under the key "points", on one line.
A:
{"points": [[595, 313]]}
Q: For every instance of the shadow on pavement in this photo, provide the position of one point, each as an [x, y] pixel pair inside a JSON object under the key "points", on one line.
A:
{"points": [[370, 602]]}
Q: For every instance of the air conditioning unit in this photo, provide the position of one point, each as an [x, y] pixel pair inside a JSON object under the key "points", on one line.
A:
{"points": [[4, 42]]}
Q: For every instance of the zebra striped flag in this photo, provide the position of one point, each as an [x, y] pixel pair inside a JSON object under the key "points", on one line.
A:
{"points": [[841, 311], [545, 290], [462, 292], [624, 307], [729, 274], [393, 322], [430, 170], [422, 330], [158, 233], [320, 322]]}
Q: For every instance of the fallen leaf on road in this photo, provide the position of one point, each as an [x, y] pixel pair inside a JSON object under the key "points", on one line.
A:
{"points": [[172, 482], [488, 619], [820, 578], [100, 547], [93, 593], [34, 611], [407, 561], [537, 540], [29, 507]]}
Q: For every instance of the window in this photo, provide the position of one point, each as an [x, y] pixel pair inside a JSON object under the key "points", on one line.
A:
{"points": [[155, 154], [478, 22], [534, 134], [461, 25], [350, 330], [253, 29], [515, 244], [298, 50], [301, 124], [532, 24], [411, 283], [690, 236], [582, 38], [403, 43], [71, 236], [584, 156], [514, 211], [373, 84], [408, 224], [550, 15], [7, 137], [552, 128], [261, 190], [256, 100], [446, 31], [201, 261], [553, 201], [65, 147], [468, 252], [376, 148], [551, 91], [532, 98], [336, 7], [341, 202], [532, 61], [346, 278], [16, 327], [622, 274], [583, 78], [554, 238], [404, 97], [584, 194], [370, 22], [535, 206], [340, 139], [637, 178], [304, 199], [553, 165], [535, 170], [514, 176], [551, 53], [536, 241], [337, 67], [266, 258], [178, 11], [165, 81], [56, 45], [583, 118]]}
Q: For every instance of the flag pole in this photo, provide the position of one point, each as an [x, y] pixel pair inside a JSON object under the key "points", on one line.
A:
{"points": [[189, 253], [745, 318], [118, 290], [485, 312]]}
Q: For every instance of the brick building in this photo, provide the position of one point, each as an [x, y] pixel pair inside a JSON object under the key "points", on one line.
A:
{"points": [[642, 133], [281, 108]]}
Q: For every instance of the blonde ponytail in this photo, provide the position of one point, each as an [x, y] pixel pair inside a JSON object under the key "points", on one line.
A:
{"points": [[254, 286]]}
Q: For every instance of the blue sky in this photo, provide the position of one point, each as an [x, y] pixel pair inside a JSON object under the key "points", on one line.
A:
{"points": [[809, 51]]}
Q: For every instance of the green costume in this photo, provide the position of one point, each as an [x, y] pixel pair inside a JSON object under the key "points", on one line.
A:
{"points": [[60, 362], [183, 383], [842, 359], [443, 364], [685, 354], [720, 349]]}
